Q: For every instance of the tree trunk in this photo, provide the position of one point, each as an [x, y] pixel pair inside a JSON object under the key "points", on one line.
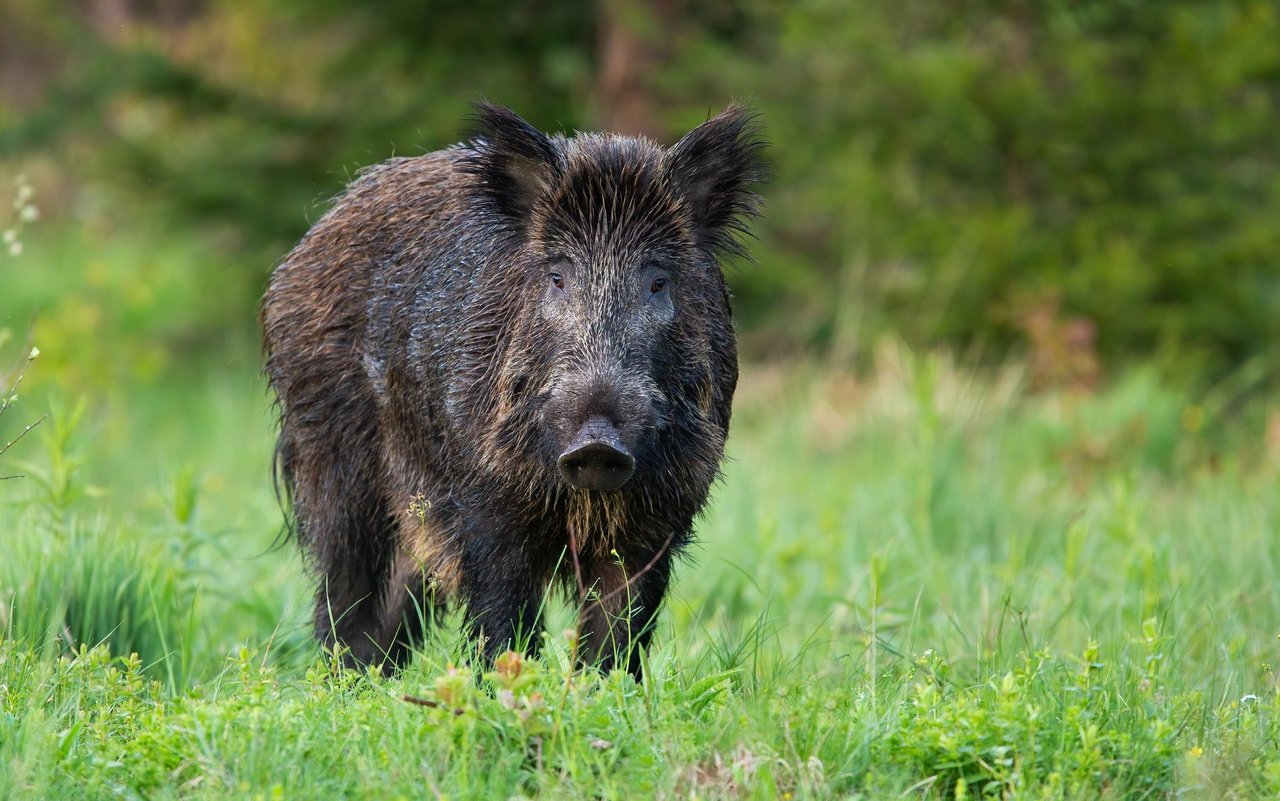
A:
{"points": [[635, 41]]}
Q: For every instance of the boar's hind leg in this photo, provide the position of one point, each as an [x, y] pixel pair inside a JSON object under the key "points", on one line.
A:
{"points": [[344, 527], [348, 602], [620, 608]]}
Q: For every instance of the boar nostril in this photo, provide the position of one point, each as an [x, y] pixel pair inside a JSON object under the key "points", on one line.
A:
{"points": [[597, 459], [596, 466]]}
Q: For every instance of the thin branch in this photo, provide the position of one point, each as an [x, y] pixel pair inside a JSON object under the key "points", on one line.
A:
{"points": [[22, 373], [577, 566], [632, 579], [25, 431], [427, 702]]}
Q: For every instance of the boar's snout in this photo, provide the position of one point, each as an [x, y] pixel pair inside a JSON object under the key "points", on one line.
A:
{"points": [[597, 459]]}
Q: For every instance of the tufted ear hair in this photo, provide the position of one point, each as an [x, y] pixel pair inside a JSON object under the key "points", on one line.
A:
{"points": [[515, 163], [714, 167]]}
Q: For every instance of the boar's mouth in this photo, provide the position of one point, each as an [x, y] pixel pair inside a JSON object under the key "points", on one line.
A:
{"points": [[597, 459]]}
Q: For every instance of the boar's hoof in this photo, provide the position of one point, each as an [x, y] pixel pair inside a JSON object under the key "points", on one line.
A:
{"points": [[597, 459]]}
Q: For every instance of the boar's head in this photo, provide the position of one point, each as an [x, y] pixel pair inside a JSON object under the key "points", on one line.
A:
{"points": [[615, 246]]}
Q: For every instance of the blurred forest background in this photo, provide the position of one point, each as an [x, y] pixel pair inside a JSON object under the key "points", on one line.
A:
{"points": [[1078, 182], [940, 565]]}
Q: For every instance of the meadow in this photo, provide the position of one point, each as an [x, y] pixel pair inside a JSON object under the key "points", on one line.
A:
{"points": [[919, 580]]}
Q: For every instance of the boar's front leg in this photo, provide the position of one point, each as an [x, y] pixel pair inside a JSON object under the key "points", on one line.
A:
{"points": [[411, 605], [503, 589], [623, 592]]}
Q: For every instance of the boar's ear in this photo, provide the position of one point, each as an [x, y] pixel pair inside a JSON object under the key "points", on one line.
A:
{"points": [[714, 167], [516, 164]]}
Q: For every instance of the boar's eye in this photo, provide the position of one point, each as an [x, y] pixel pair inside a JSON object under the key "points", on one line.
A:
{"points": [[658, 285], [557, 280]]}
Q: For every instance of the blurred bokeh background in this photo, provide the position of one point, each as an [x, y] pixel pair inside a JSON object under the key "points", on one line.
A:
{"points": [[1011, 334], [1078, 183]]}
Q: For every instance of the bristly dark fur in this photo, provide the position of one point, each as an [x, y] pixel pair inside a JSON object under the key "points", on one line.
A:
{"points": [[720, 162], [438, 337], [282, 488], [513, 161]]}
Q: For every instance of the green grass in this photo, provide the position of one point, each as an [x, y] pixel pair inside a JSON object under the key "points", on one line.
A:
{"points": [[920, 583]]}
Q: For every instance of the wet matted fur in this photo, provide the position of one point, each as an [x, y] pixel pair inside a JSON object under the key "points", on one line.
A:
{"points": [[440, 335]]}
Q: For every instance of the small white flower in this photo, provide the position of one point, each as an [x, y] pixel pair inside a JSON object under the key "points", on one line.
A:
{"points": [[15, 248], [1250, 698], [24, 194], [10, 236], [29, 214], [34, 352]]}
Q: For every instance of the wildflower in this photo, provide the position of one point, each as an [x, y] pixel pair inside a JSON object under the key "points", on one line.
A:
{"points": [[507, 699], [509, 665], [418, 507], [451, 686]]}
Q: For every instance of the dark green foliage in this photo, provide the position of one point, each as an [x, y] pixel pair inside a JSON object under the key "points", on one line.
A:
{"points": [[262, 118], [943, 169], [948, 167]]}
